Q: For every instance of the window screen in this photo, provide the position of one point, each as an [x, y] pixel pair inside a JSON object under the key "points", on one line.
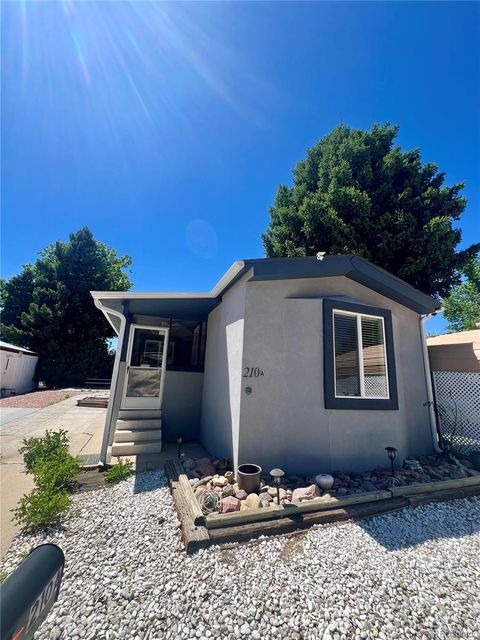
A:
{"points": [[360, 359], [374, 360]]}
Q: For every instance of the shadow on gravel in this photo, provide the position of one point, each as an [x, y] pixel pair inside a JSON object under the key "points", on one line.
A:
{"points": [[417, 525], [149, 481]]}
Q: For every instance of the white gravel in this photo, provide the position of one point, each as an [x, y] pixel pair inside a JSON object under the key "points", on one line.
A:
{"points": [[411, 574]]}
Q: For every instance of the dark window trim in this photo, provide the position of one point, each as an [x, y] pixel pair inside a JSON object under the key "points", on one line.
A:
{"points": [[331, 402]]}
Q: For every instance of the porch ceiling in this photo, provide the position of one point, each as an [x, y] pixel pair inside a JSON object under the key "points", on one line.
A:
{"points": [[179, 308]]}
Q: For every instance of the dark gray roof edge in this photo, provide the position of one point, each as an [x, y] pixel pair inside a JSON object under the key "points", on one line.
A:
{"points": [[424, 302], [353, 267], [350, 266]]}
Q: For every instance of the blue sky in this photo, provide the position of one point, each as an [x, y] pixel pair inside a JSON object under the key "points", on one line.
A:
{"points": [[166, 128]]}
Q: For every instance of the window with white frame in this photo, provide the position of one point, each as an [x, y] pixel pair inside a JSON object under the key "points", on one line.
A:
{"points": [[359, 370], [360, 358]]}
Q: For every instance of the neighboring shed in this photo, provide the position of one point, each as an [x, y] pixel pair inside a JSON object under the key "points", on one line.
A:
{"points": [[17, 368], [455, 351]]}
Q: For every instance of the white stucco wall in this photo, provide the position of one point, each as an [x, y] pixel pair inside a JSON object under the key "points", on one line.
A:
{"points": [[220, 416], [17, 372], [283, 422]]}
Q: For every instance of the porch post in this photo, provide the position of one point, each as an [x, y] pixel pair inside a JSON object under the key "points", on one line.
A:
{"points": [[116, 387]]}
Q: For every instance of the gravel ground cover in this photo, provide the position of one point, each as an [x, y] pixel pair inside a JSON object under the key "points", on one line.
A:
{"points": [[38, 399], [410, 574]]}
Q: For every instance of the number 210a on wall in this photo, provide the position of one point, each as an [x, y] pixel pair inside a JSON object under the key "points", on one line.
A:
{"points": [[253, 372]]}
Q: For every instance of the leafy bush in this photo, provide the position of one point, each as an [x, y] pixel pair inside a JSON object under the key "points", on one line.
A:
{"points": [[121, 471], [56, 473], [41, 508], [53, 444]]}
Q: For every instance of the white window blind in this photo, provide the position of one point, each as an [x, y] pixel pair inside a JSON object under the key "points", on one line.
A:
{"points": [[360, 356], [347, 378]]}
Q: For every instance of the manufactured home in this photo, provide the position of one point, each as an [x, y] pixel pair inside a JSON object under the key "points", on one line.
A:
{"points": [[308, 364]]}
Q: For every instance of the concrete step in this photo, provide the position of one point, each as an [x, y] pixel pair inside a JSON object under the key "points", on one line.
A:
{"points": [[139, 414], [136, 425], [136, 448], [137, 435]]}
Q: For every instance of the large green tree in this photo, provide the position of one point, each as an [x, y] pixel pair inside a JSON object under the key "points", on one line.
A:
{"points": [[357, 192], [462, 305], [48, 308]]}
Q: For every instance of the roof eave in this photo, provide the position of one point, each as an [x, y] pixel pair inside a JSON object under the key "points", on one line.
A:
{"points": [[353, 267]]}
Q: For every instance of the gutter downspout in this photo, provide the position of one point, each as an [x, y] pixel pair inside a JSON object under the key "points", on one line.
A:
{"points": [[428, 380], [108, 419]]}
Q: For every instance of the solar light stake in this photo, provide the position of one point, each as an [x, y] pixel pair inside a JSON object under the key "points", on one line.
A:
{"points": [[391, 452], [179, 442], [277, 475]]}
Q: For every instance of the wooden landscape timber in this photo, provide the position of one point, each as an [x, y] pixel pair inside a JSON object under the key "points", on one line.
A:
{"points": [[199, 531], [176, 473], [194, 537], [454, 493], [428, 487], [298, 524], [216, 520], [92, 401]]}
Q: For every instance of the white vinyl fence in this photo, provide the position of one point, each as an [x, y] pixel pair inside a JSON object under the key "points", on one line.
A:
{"points": [[458, 408]]}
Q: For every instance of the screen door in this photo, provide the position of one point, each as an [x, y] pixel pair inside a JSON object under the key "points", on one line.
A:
{"points": [[146, 360]]}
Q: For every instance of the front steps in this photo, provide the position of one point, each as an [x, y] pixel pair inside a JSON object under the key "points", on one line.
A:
{"points": [[136, 448], [138, 436], [139, 414]]}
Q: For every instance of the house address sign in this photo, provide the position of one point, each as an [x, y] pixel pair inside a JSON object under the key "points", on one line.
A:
{"points": [[253, 372]]}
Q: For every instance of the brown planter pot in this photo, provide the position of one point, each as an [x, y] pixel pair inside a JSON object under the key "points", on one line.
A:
{"points": [[249, 477]]}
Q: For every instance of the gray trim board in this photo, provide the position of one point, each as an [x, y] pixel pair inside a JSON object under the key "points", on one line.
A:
{"points": [[295, 268], [198, 306], [331, 402], [352, 267]]}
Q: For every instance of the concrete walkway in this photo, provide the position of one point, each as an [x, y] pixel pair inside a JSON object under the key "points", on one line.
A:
{"points": [[84, 426], [9, 414]]}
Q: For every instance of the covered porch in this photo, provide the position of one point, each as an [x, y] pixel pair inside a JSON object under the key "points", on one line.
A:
{"points": [[157, 379]]}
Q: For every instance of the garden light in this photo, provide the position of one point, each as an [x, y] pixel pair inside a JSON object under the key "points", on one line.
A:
{"points": [[277, 475], [391, 452]]}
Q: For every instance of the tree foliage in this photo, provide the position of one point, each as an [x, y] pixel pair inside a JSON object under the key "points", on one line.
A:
{"points": [[357, 192], [462, 305], [48, 308]]}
